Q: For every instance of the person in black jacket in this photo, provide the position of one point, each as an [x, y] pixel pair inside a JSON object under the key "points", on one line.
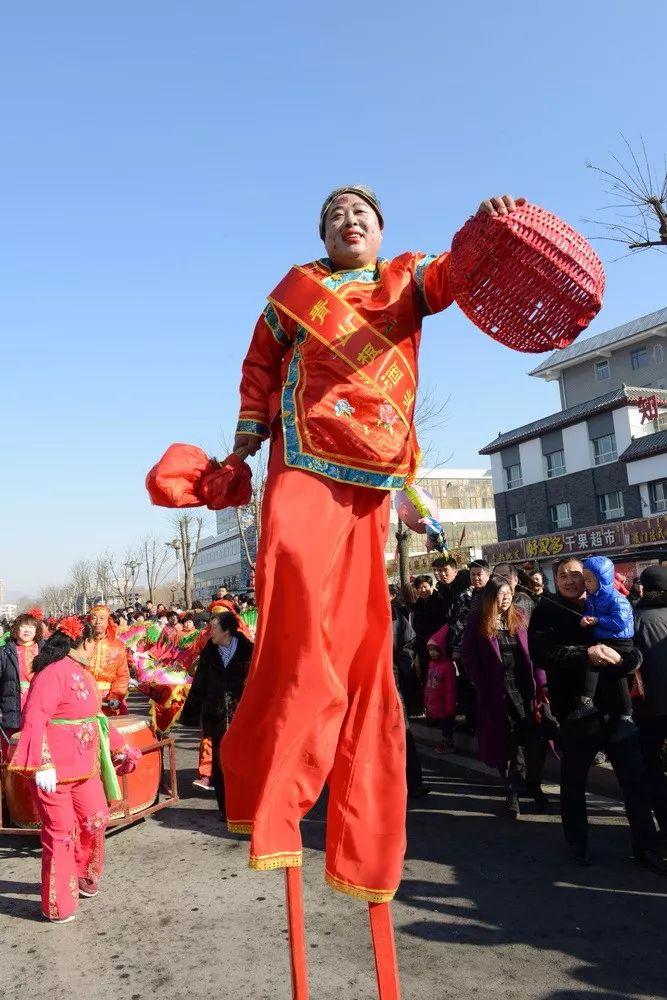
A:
{"points": [[25, 641], [217, 688], [565, 651], [451, 581], [463, 607], [428, 616], [651, 639], [404, 648]]}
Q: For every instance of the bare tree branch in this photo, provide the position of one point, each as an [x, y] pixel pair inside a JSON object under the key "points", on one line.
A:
{"points": [[189, 527], [635, 187], [83, 577], [155, 556], [58, 600]]}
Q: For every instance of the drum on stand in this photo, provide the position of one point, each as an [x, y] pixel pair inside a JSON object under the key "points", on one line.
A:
{"points": [[142, 784], [20, 793]]}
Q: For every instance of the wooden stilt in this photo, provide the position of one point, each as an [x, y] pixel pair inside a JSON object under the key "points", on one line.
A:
{"points": [[297, 933], [384, 949]]}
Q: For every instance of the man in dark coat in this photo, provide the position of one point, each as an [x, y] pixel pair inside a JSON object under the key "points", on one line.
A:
{"points": [[463, 607], [651, 640], [560, 646], [451, 581], [428, 616], [217, 688], [404, 649]]}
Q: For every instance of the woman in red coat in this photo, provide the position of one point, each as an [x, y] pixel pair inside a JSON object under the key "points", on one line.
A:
{"points": [[66, 744]]}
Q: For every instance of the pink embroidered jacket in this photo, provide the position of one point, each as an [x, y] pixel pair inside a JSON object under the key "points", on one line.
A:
{"points": [[63, 690]]}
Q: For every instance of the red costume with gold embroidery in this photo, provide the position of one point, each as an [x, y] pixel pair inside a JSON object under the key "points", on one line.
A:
{"points": [[109, 666], [332, 374], [335, 353], [74, 817]]}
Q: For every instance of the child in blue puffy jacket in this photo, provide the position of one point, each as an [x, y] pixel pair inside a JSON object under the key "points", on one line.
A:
{"points": [[610, 616]]}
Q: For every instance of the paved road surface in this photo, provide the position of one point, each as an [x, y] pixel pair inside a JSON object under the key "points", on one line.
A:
{"points": [[488, 908]]}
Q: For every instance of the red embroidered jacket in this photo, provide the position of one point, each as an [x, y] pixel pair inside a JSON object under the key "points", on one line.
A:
{"points": [[109, 667], [63, 690], [336, 420]]}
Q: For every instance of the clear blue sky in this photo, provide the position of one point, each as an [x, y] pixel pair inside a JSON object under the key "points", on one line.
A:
{"points": [[162, 164]]}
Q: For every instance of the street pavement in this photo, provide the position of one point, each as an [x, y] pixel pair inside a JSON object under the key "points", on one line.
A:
{"points": [[488, 908]]}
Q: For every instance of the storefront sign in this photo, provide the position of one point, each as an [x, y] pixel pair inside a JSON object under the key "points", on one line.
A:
{"points": [[583, 541]]}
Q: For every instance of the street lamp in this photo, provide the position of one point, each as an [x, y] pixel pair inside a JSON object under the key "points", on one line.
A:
{"points": [[133, 566], [176, 545]]}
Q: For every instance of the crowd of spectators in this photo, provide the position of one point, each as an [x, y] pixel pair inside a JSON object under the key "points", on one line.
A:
{"points": [[581, 672]]}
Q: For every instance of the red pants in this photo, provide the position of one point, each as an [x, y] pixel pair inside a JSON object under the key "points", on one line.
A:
{"points": [[74, 819], [320, 702]]}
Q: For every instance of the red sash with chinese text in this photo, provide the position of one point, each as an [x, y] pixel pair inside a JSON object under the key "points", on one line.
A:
{"points": [[373, 359]]}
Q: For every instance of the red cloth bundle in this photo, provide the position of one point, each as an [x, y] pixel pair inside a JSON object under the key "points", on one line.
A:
{"points": [[527, 279], [186, 477]]}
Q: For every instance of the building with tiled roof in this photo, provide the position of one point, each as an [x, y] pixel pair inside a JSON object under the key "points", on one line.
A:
{"points": [[593, 475]]}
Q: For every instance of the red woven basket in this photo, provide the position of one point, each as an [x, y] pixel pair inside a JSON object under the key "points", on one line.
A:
{"points": [[527, 279]]}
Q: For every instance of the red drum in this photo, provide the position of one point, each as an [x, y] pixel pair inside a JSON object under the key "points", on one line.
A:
{"points": [[142, 784], [20, 793]]}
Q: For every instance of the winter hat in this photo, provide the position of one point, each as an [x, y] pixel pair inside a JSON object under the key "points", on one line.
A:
{"points": [[654, 578]]}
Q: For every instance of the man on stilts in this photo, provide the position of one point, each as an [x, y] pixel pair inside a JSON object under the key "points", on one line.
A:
{"points": [[331, 379]]}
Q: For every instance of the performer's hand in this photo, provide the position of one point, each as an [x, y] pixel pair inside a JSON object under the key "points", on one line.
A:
{"points": [[246, 444], [113, 703], [126, 761], [46, 780], [501, 206]]}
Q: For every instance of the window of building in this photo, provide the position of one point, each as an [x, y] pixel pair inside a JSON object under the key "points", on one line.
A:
{"points": [[561, 516], [604, 449], [555, 464], [639, 358], [602, 372], [658, 496], [513, 476], [517, 525], [660, 424], [658, 354], [611, 506]]}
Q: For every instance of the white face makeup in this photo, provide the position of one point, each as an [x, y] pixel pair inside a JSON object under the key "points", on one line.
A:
{"points": [[352, 233]]}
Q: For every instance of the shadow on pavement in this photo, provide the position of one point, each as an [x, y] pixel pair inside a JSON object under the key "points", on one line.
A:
{"points": [[511, 883]]}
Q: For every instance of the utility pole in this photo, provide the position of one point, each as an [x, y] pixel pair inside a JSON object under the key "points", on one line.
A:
{"points": [[176, 546], [402, 539]]}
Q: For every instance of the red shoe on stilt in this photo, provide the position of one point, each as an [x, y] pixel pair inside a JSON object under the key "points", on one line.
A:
{"points": [[297, 934], [384, 949]]}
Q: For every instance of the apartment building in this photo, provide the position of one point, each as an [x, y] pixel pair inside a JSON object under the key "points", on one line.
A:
{"points": [[592, 476]]}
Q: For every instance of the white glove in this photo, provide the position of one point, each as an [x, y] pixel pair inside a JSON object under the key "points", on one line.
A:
{"points": [[46, 780], [113, 703]]}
